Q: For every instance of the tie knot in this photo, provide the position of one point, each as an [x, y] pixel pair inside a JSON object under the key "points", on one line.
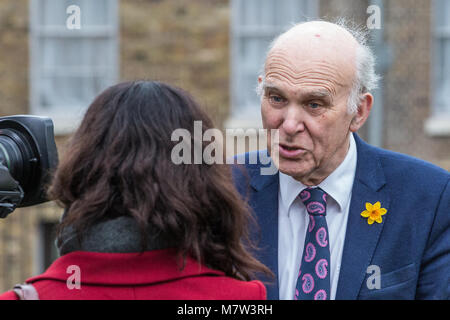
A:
{"points": [[315, 200]]}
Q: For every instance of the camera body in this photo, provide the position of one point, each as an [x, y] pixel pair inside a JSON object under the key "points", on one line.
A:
{"points": [[28, 154]]}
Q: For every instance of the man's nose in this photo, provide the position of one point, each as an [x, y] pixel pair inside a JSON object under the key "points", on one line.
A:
{"points": [[293, 122]]}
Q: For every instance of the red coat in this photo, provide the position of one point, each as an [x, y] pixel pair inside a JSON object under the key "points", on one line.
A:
{"points": [[150, 275]]}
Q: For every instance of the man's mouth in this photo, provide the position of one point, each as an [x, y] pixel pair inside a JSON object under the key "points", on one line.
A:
{"points": [[289, 151]]}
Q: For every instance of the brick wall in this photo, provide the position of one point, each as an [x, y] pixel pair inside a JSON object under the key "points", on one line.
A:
{"points": [[15, 244], [13, 57], [182, 42]]}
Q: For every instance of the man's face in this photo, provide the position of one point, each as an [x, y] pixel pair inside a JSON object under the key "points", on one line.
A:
{"points": [[305, 98]]}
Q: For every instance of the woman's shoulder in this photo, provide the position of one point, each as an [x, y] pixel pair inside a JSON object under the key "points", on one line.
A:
{"points": [[150, 275], [233, 289], [9, 295]]}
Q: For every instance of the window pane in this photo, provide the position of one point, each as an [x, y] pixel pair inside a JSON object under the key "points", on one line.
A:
{"points": [[442, 13], [250, 12], [74, 53], [70, 67], [442, 57], [256, 24], [93, 13], [251, 61], [66, 92], [268, 13], [443, 77]]}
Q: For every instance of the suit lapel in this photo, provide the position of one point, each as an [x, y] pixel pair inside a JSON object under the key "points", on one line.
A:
{"points": [[264, 201], [361, 238]]}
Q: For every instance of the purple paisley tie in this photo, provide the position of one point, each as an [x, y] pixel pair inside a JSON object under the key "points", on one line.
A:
{"points": [[313, 281]]}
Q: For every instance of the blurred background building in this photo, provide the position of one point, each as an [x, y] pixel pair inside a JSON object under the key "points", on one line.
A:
{"points": [[215, 50]]}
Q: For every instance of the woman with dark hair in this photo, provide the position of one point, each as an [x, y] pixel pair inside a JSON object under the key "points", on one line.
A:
{"points": [[136, 225]]}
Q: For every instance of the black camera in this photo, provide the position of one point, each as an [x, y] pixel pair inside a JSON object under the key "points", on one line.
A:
{"points": [[28, 154]]}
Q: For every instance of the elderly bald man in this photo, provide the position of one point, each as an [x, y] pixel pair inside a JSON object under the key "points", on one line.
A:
{"points": [[341, 219]]}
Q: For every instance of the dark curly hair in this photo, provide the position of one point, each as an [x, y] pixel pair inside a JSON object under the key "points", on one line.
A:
{"points": [[118, 163]]}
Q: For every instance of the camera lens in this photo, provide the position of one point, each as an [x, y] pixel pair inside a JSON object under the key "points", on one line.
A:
{"points": [[17, 155], [27, 156]]}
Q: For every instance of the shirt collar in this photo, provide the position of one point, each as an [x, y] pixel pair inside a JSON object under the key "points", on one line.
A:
{"points": [[338, 184]]}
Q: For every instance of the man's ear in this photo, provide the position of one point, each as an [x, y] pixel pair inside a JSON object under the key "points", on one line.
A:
{"points": [[363, 112]]}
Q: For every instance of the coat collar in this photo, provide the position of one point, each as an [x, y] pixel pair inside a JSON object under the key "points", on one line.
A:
{"points": [[116, 235], [361, 238]]}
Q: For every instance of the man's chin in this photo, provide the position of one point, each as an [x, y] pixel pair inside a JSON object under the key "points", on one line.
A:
{"points": [[295, 172]]}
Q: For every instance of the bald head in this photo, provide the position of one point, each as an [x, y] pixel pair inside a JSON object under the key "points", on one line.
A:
{"points": [[313, 34]]}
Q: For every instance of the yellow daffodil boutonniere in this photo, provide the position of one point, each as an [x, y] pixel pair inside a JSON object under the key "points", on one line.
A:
{"points": [[373, 212]]}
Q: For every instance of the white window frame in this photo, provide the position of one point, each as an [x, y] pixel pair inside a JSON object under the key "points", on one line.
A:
{"points": [[438, 124], [67, 118], [248, 116]]}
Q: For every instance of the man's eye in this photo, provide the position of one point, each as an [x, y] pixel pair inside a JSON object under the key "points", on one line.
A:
{"points": [[276, 99], [314, 105]]}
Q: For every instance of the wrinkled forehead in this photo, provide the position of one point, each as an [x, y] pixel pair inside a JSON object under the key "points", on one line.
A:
{"points": [[314, 53]]}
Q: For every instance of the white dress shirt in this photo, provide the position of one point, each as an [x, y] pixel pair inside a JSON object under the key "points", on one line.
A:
{"points": [[293, 221]]}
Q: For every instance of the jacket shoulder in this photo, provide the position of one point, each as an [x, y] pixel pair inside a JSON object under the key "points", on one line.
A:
{"points": [[415, 170]]}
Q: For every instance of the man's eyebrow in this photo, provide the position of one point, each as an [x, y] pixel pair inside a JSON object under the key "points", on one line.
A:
{"points": [[272, 87], [317, 94]]}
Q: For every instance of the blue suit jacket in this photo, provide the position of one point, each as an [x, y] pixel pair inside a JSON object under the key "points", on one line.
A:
{"points": [[411, 246]]}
